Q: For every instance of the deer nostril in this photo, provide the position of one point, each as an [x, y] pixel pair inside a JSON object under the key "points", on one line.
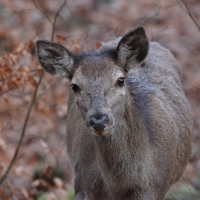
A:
{"points": [[98, 122]]}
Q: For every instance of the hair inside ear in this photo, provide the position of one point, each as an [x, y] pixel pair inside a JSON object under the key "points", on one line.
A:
{"points": [[133, 48], [55, 58]]}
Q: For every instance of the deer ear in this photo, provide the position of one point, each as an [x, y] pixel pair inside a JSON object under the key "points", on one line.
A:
{"points": [[132, 48], [55, 58]]}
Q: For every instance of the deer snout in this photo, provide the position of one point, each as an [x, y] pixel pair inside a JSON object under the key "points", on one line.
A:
{"points": [[98, 122]]}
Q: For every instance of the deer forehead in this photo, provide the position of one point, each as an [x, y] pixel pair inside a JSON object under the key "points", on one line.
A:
{"points": [[97, 72]]}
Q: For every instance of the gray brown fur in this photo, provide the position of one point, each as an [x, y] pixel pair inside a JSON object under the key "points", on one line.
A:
{"points": [[148, 144]]}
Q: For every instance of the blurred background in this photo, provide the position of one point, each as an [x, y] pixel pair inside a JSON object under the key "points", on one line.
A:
{"points": [[41, 170]]}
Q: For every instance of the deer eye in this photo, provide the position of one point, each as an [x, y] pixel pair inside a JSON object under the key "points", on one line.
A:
{"points": [[75, 88], [120, 82]]}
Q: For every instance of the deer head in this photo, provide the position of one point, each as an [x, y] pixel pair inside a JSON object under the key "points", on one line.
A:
{"points": [[98, 79]]}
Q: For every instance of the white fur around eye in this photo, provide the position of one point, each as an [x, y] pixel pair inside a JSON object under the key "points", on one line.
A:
{"points": [[116, 75]]}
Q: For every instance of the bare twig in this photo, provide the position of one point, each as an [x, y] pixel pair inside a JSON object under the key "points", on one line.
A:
{"points": [[6, 126], [193, 85], [34, 96], [6, 91], [55, 19], [185, 7], [40, 95], [23, 130], [36, 6], [23, 10], [157, 12], [15, 75], [173, 197], [188, 185], [187, 10]]}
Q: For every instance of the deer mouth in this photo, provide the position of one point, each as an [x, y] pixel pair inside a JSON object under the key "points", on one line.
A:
{"points": [[104, 132], [99, 133]]}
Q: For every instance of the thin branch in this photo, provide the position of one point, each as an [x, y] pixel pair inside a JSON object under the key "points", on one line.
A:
{"points": [[193, 85], [23, 10], [15, 75], [36, 6], [173, 197], [188, 185], [6, 91], [55, 19], [6, 126], [33, 99], [23, 130], [182, 6], [185, 7], [40, 95], [157, 12], [187, 10]]}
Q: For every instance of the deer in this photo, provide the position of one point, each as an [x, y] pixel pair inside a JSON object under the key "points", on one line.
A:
{"points": [[128, 124]]}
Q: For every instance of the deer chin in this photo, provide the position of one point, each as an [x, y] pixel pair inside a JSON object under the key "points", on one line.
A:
{"points": [[99, 133]]}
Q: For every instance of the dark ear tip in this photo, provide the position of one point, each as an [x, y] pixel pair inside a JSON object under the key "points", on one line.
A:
{"points": [[140, 29], [41, 41], [38, 41]]}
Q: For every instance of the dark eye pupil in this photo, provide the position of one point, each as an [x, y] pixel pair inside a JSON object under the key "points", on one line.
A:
{"points": [[120, 82], [75, 88]]}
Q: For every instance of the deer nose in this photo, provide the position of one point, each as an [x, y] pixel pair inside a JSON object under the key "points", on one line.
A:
{"points": [[98, 122]]}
